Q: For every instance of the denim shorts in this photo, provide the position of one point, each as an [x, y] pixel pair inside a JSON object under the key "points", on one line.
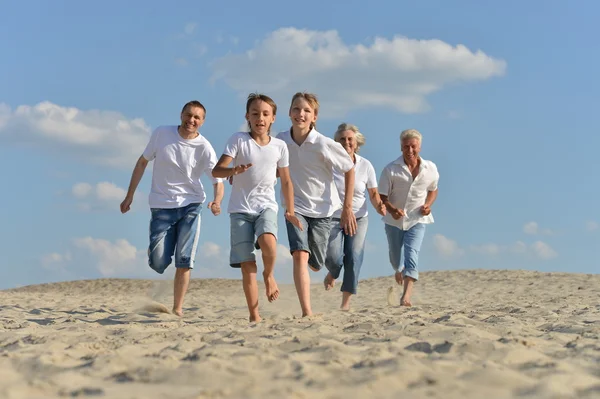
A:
{"points": [[174, 232], [313, 238], [245, 230]]}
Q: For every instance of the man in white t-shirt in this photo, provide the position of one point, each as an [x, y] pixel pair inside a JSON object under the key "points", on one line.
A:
{"points": [[181, 155], [257, 158], [408, 187]]}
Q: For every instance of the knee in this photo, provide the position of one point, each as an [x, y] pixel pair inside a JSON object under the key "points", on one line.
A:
{"points": [[249, 268], [300, 256]]}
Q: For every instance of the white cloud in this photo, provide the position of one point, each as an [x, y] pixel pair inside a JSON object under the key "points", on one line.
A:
{"points": [[397, 73], [592, 225], [446, 247], [487, 249], [182, 62], [190, 28], [103, 195], [518, 247], [112, 258], [100, 137], [211, 250], [543, 250], [533, 228], [55, 261], [81, 190]]}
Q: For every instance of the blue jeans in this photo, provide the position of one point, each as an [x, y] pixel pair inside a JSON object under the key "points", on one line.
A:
{"points": [[174, 232], [407, 243], [346, 251], [312, 239]]}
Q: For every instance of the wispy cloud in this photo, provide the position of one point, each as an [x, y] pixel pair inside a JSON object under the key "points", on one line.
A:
{"points": [[533, 228], [591, 225]]}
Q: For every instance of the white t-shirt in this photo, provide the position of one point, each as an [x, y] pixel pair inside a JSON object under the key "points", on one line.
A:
{"points": [[407, 193], [254, 190], [311, 169], [364, 178], [178, 166]]}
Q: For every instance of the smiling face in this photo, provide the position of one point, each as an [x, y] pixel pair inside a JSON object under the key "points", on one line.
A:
{"points": [[348, 140], [410, 149], [260, 117], [191, 119], [302, 114]]}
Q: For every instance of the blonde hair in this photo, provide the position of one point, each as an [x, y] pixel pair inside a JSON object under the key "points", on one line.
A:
{"points": [[311, 99], [358, 136], [410, 134]]}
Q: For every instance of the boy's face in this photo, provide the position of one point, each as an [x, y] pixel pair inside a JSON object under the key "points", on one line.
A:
{"points": [[260, 117], [302, 114]]}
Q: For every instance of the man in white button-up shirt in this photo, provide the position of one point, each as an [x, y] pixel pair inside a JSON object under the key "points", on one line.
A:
{"points": [[408, 187]]}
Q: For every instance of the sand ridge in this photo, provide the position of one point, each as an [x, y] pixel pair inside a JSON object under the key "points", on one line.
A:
{"points": [[470, 334]]}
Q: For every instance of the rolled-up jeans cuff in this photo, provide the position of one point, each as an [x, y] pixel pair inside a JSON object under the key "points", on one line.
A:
{"points": [[412, 273]]}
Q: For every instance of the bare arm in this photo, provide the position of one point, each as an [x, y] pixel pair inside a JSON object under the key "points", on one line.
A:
{"points": [[287, 189], [136, 177], [215, 204], [395, 212], [429, 200], [222, 170], [348, 219], [376, 200]]}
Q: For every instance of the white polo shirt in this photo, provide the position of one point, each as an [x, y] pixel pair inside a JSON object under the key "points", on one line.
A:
{"points": [[178, 166], [311, 170], [364, 178], [254, 190], [396, 182]]}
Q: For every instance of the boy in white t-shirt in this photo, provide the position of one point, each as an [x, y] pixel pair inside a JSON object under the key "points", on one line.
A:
{"points": [[313, 158], [181, 155], [258, 158]]}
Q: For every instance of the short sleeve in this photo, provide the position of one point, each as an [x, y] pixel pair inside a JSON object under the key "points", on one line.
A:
{"points": [[232, 146], [435, 177], [150, 150], [338, 157], [284, 159], [385, 184], [211, 163], [371, 177]]}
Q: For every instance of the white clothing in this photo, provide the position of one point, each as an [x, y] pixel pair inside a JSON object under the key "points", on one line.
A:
{"points": [[396, 182], [178, 166], [364, 178], [254, 190], [311, 169]]}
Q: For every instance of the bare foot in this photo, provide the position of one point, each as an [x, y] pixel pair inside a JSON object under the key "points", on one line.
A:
{"points": [[399, 278], [271, 288], [405, 302], [307, 314], [178, 312], [256, 319], [329, 282]]}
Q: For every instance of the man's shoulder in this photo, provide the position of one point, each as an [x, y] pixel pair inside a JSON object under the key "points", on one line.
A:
{"points": [[429, 164]]}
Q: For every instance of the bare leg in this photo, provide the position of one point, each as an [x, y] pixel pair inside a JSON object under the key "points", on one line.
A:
{"points": [[268, 247], [408, 288], [302, 281], [182, 281], [251, 289], [346, 300], [329, 282]]}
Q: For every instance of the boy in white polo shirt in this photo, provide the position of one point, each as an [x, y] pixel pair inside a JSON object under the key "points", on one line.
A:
{"points": [[181, 155], [313, 158], [258, 158]]}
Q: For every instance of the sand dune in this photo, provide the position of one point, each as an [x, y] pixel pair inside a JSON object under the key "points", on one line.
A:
{"points": [[471, 334]]}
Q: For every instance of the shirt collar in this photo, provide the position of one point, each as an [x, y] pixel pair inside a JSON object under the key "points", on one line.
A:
{"points": [[400, 161]]}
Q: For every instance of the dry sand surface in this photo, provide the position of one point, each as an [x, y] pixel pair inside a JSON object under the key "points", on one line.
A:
{"points": [[471, 334]]}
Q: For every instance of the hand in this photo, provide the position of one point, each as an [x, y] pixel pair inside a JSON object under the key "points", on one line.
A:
{"points": [[348, 221], [425, 210], [126, 204], [397, 213], [290, 217], [214, 207], [240, 169], [381, 208]]}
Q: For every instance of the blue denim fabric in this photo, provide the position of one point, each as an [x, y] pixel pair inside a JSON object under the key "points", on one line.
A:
{"points": [[245, 230], [312, 239], [407, 243], [174, 232], [347, 252]]}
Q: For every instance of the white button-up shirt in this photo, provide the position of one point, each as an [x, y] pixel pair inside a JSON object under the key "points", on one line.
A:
{"points": [[311, 171], [404, 192]]}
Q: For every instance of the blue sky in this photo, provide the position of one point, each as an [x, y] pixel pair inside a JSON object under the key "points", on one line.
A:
{"points": [[504, 94]]}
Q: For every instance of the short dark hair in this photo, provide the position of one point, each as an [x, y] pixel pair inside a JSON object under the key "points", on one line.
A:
{"points": [[260, 97], [194, 103]]}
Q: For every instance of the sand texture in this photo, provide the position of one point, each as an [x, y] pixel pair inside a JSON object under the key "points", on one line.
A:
{"points": [[471, 334]]}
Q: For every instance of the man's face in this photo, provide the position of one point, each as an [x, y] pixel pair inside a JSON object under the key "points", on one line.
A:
{"points": [[191, 119], [411, 149]]}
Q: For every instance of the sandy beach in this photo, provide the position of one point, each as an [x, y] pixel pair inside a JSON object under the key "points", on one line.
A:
{"points": [[471, 334]]}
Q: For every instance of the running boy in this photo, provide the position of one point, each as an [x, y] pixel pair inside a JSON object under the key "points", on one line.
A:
{"points": [[258, 158], [313, 157]]}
